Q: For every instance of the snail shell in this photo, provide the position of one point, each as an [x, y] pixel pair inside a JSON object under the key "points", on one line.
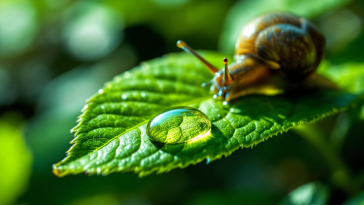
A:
{"points": [[290, 41]]}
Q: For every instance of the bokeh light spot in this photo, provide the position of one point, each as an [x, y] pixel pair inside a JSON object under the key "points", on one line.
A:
{"points": [[91, 30]]}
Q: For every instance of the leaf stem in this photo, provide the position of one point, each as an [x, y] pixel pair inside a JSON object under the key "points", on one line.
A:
{"points": [[341, 174]]}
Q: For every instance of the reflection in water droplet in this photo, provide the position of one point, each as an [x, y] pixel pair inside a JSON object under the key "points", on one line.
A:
{"points": [[178, 125]]}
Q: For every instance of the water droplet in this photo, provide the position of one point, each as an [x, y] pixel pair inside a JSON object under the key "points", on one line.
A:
{"points": [[178, 125], [124, 97], [101, 91]]}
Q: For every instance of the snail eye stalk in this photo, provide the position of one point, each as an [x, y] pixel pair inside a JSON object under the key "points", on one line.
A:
{"points": [[227, 76], [185, 47]]}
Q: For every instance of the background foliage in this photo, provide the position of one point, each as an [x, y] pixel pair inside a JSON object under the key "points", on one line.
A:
{"points": [[56, 54]]}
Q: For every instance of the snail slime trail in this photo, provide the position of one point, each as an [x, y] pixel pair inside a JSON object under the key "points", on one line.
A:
{"points": [[178, 125], [275, 52]]}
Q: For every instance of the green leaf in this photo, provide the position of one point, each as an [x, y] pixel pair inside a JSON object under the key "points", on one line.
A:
{"points": [[349, 76], [311, 193], [111, 134]]}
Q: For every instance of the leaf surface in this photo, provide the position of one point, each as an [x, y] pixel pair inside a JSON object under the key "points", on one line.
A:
{"points": [[111, 134]]}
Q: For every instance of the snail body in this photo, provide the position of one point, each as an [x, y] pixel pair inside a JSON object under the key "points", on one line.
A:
{"points": [[274, 53]]}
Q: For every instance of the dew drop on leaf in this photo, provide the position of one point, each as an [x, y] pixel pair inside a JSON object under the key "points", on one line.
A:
{"points": [[178, 125]]}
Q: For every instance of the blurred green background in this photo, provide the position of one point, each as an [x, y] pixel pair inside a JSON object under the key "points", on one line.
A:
{"points": [[56, 54]]}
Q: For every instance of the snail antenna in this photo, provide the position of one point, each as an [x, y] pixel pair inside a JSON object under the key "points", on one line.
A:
{"points": [[227, 76], [185, 47]]}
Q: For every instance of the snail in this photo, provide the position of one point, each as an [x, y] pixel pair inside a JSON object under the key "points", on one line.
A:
{"points": [[274, 53]]}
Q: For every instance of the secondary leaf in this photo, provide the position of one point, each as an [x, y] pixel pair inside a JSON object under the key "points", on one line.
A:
{"points": [[349, 76], [111, 134], [311, 193]]}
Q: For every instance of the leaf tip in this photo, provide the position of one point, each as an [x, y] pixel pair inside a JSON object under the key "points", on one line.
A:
{"points": [[56, 171]]}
